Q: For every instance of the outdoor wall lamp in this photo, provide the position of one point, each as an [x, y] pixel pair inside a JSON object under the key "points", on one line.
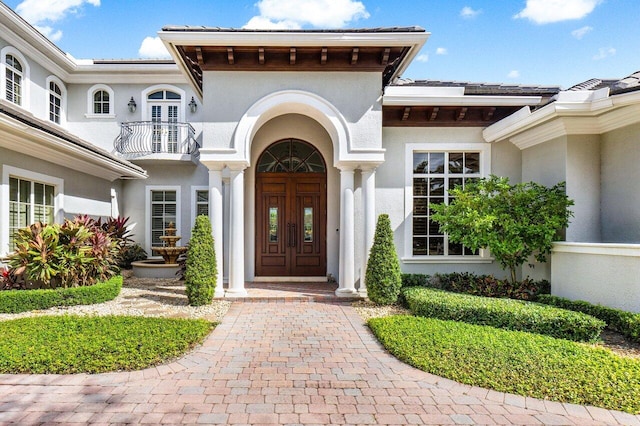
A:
{"points": [[132, 105], [193, 106]]}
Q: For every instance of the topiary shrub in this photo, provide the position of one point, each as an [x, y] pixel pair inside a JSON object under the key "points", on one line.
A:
{"points": [[383, 268], [201, 271]]}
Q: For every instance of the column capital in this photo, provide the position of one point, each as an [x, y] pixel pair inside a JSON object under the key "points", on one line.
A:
{"points": [[237, 166]]}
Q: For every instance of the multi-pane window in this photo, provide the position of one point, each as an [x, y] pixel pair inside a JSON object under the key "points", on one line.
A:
{"points": [[101, 102], [29, 202], [434, 174], [163, 212], [55, 102], [13, 78], [202, 202]]}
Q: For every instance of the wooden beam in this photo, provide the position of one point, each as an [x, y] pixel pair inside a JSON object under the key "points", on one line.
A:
{"points": [[385, 56], [261, 55], [199, 55], [405, 114], [487, 113], [230, 57], [461, 113], [354, 55], [323, 56], [434, 113], [292, 56]]}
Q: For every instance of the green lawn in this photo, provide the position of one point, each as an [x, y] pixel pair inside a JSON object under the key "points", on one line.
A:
{"points": [[513, 361], [81, 344]]}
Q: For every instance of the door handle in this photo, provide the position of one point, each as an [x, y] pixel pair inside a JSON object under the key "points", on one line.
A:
{"points": [[288, 234], [295, 236]]}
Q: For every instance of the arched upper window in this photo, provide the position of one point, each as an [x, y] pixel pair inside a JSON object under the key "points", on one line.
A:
{"points": [[293, 156], [100, 102], [15, 72], [57, 101], [164, 95]]}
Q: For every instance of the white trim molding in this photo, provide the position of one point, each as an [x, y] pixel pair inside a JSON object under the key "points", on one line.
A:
{"points": [[26, 76], [10, 171], [92, 90], [606, 249], [449, 96], [485, 169], [194, 201]]}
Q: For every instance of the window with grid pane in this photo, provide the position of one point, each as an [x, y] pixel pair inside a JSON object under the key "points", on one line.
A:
{"points": [[434, 173], [55, 102], [13, 79], [202, 203], [29, 202], [163, 212], [101, 102]]}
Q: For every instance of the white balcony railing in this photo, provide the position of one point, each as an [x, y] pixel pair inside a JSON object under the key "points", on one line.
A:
{"points": [[145, 138]]}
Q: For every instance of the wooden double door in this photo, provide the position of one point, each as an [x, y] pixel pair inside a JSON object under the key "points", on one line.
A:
{"points": [[291, 224]]}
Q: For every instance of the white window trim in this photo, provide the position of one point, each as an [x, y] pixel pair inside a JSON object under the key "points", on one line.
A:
{"points": [[26, 76], [147, 211], [63, 100], [93, 89], [485, 169], [194, 201], [144, 108], [9, 171]]}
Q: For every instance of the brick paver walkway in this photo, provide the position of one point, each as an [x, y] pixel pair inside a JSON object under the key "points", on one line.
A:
{"points": [[283, 363]]}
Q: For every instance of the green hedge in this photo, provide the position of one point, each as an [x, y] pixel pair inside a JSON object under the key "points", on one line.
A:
{"points": [[511, 361], [14, 301], [504, 313], [623, 322]]}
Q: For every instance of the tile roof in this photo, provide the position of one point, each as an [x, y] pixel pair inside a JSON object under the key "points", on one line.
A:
{"points": [[488, 89], [627, 84]]}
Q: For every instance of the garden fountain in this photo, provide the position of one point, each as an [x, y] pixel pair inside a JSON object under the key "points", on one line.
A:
{"points": [[168, 265]]}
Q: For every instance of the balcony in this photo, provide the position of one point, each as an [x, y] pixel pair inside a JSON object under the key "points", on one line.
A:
{"points": [[157, 140]]}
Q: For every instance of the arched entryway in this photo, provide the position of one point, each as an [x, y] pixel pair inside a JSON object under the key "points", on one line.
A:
{"points": [[291, 210]]}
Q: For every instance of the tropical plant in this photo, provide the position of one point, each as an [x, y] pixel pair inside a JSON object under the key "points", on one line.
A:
{"points": [[383, 268], [201, 268], [513, 221], [131, 253]]}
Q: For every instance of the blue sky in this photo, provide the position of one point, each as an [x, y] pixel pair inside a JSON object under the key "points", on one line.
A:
{"points": [[547, 42]]}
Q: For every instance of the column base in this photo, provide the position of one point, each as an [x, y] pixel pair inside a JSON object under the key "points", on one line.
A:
{"points": [[346, 292], [363, 293], [236, 293]]}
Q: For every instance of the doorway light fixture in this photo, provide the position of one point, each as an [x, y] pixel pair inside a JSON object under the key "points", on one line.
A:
{"points": [[193, 106], [132, 105]]}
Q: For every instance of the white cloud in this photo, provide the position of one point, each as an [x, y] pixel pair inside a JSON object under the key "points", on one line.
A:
{"points": [[262, 23], [469, 13], [513, 74], [604, 52], [422, 58], [581, 32], [548, 11], [316, 13], [40, 13], [153, 48], [441, 51]]}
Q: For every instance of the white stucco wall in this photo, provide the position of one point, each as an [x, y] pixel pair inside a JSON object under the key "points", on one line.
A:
{"points": [[583, 187], [606, 274], [620, 190]]}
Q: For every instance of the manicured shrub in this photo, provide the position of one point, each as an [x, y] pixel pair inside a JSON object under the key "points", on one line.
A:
{"points": [[479, 285], [515, 362], [14, 301], [201, 269], [383, 268], [504, 313], [69, 344], [623, 322]]}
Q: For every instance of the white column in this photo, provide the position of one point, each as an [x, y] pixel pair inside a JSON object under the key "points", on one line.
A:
{"points": [[347, 244], [216, 213], [369, 211], [236, 235]]}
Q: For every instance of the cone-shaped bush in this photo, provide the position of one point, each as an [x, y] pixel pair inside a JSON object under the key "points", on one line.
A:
{"points": [[201, 271], [383, 268]]}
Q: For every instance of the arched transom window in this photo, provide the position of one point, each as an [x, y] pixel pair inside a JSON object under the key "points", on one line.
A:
{"points": [[14, 76], [293, 156]]}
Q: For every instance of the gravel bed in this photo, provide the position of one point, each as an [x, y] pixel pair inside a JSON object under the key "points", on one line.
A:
{"points": [[142, 297]]}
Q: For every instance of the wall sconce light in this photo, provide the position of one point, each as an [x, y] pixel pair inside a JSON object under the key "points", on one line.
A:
{"points": [[193, 106], [132, 105]]}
